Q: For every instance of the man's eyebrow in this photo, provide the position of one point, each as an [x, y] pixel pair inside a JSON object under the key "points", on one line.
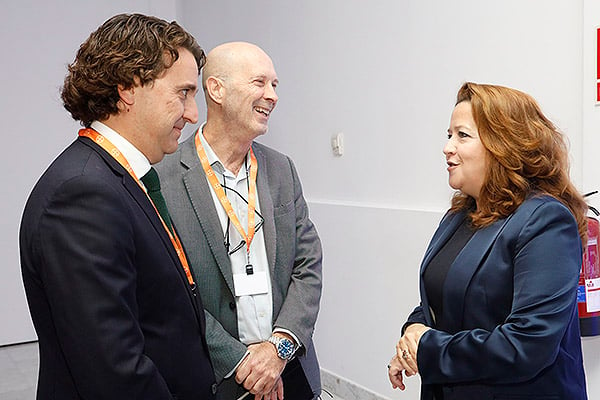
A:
{"points": [[265, 78]]}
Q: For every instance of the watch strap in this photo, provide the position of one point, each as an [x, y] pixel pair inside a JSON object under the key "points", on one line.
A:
{"points": [[284, 347]]}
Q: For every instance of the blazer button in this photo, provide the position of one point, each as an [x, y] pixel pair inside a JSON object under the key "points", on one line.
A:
{"points": [[213, 388], [232, 306]]}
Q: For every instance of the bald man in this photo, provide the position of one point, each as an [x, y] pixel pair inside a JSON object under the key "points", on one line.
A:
{"points": [[239, 210]]}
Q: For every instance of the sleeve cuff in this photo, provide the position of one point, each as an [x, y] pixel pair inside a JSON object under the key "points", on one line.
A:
{"points": [[283, 330], [236, 366]]}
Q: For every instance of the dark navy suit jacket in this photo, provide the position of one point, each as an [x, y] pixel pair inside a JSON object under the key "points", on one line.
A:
{"points": [[511, 327], [113, 310]]}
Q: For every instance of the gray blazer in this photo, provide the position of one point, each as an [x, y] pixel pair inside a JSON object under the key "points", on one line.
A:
{"points": [[293, 251]]}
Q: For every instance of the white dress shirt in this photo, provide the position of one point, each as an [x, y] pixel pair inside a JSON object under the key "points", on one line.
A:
{"points": [[254, 312], [136, 159]]}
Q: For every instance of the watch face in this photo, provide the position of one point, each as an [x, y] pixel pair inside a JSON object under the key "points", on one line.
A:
{"points": [[285, 348]]}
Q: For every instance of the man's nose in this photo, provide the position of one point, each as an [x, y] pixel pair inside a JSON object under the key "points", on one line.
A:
{"points": [[270, 93], [190, 111]]}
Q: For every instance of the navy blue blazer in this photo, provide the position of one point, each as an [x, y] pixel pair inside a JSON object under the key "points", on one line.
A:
{"points": [[509, 309], [113, 310]]}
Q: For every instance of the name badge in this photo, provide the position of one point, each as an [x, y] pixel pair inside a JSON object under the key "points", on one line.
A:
{"points": [[246, 285]]}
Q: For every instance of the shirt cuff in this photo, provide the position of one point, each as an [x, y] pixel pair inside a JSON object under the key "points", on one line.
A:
{"points": [[236, 366], [283, 330]]}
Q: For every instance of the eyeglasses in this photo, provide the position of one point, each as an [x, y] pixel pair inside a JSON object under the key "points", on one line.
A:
{"points": [[257, 226]]}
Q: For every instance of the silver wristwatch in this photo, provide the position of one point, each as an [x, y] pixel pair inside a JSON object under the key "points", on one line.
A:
{"points": [[285, 347]]}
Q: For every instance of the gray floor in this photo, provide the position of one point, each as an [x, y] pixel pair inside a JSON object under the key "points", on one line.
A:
{"points": [[18, 371]]}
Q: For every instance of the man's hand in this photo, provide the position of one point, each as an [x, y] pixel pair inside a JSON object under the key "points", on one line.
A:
{"points": [[276, 393], [261, 370]]}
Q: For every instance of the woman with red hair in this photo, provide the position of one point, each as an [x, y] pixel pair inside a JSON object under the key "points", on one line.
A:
{"points": [[498, 313]]}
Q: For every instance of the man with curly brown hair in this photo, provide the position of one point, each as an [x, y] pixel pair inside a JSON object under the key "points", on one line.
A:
{"points": [[111, 295]]}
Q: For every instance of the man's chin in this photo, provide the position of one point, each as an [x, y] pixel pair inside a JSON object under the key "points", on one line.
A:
{"points": [[263, 131], [172, 149]]}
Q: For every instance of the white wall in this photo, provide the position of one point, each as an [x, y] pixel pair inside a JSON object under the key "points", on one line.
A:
{"points": [[386, 74]]}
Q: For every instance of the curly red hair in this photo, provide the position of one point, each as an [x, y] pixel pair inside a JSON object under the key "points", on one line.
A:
{"points": [[525, 154]]}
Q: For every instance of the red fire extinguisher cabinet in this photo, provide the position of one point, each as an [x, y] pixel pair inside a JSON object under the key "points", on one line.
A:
{"points": [[588, 293]]}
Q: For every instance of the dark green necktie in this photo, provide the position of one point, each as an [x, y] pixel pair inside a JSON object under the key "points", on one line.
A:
{"points": [[152, 184]]}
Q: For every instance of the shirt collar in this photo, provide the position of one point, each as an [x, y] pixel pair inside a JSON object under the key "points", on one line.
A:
{"points": [[136, 159], [214, 161]]}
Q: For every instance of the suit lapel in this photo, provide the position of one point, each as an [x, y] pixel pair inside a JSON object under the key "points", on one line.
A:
{"points": [[462, 270], [198, 191], [266, 207], [143, 201], [448, 226], [446, 229], [138, 195]]}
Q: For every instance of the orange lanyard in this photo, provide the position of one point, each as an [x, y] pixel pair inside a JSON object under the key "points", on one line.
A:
{"points": [[214, 183], [117, 155]]}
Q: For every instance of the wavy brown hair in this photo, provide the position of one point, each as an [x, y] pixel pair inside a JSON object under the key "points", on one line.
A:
{"points": [[526, 154], [127, 50]]}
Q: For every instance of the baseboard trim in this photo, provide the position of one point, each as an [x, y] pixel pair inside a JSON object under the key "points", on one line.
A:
{"points": [[345, 389]]}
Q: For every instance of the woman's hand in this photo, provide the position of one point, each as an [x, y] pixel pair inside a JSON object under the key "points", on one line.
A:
{"points": [[406, 355], [395, 373], [406, 349]]}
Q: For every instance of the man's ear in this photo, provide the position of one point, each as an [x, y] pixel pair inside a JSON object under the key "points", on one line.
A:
{"points": [[215, 89], [127, 96]]}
